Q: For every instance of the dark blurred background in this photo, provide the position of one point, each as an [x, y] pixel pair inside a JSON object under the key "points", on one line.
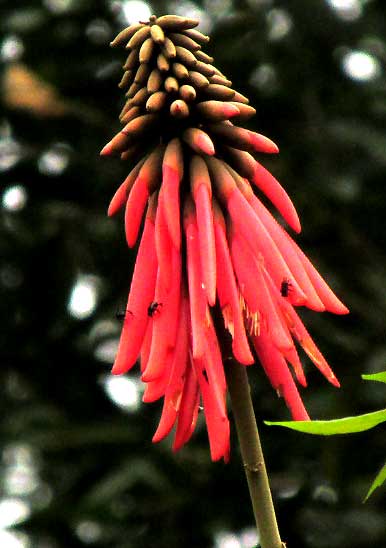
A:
{"points": [[77, 464]]}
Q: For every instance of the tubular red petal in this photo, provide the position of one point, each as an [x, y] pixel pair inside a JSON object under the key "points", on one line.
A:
{"points": [[214, 408], [277, 371], [275, 322], [173, 394], [326, 295], [199, 141], [201, 190], [301, 334], [135, 206], [141, 292], [146, 182], [156, 388], [172, 172], [256, 235], [228, 295], [244, 267], [197, 296], [188, 412], [278, 196], [120, 197], [146, 345], [292, 357], [165, 321], [266, 182], [206, 241], [163, 244], [283, 242]]}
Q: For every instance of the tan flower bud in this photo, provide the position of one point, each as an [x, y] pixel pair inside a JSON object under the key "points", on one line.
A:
{"points": [[162, 63], [126, 79], [188, 93], [197, 36], [157, 34], [131, 60], [142, 74], [204, 68], [217, 91], [217, 79], [125, 108], [240, 98], [146, 50], [184, 41], [135, 128], [217, 110], [179, 109], [202, 56], [180, 71], [140, 97], [175, 22], [171, 84], [130, 114], [186, 56], [198, 80], [139, 37], [133, 89], [154, 81], [156, 101], [169, 49], [246, 111], [126, 34]]}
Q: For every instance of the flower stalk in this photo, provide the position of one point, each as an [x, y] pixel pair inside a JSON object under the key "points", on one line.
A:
{"points": [[252, 455]]}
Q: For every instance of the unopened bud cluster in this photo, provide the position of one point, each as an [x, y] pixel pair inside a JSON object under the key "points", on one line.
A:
{"points": [[173, 89]]}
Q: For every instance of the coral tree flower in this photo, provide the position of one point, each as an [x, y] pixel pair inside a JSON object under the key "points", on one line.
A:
{"points": [[208, 242]]}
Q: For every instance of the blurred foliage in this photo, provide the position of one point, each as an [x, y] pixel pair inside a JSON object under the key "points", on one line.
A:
{"points": [[77, 469]]}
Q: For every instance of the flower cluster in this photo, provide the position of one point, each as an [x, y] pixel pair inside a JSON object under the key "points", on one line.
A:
{"points": [[211, 255]]}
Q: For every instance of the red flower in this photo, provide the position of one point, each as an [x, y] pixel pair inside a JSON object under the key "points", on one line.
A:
{"points": [[208, 242]]}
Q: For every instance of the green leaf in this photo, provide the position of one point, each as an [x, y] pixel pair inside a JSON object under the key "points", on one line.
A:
{"points": [[379, 479], [380, 377], [348, 425]]}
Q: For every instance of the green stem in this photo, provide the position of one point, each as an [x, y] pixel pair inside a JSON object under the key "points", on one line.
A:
{"points": [[252, 455]]}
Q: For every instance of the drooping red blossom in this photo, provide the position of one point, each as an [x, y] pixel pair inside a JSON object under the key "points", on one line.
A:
{"points": [[209, 247]]}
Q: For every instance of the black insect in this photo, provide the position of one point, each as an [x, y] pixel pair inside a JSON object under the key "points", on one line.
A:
{"points": [[122, 314], [285, 288], [153, 308]]}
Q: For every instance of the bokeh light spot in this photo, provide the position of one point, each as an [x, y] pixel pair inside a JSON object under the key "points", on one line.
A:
{"points": [[133, 11], [54, 160], [348, 10], [280, 24], [83, 297], [361, 66], [98, 31], [10, 153], [89, 531], [14, 198], [12, 512], [264, 78], [123, 391], [11, 48], [13, 540], [59, 6], [227, 540], [106, 350], [193, 11]]}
